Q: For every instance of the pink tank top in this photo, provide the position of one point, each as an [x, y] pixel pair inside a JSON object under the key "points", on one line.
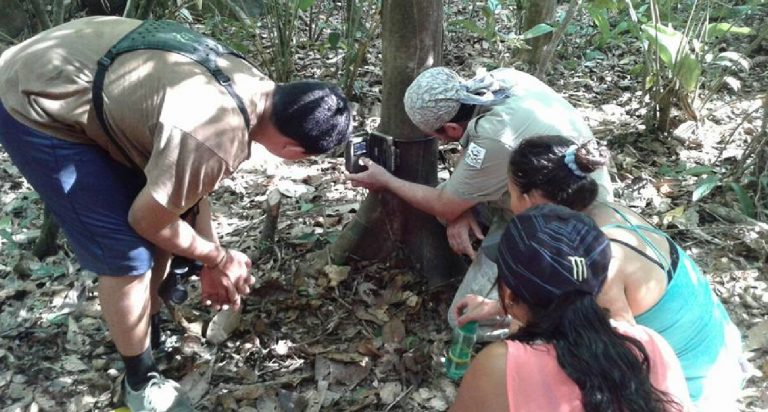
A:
{"points": [[535, 381]]}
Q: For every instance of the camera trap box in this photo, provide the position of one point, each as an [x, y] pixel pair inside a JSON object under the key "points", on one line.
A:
{"points": [[378, 147]]}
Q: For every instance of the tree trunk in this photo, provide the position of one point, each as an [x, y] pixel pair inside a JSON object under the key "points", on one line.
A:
{"points": [[539, 11], [412, 42]]}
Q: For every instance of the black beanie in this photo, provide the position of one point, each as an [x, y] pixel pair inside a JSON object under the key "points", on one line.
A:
{"points": [[314, 114]]}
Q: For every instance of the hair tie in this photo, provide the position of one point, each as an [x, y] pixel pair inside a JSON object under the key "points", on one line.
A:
{"points": [[570, 161]]}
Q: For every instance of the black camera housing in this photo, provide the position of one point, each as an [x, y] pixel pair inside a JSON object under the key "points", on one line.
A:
{"points": [[173, 289], [378, 147]]}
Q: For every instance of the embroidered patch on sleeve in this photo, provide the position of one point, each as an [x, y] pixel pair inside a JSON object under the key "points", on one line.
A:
{"points": [[475, 155]]}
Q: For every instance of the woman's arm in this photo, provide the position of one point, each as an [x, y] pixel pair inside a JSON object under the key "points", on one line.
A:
{"points": [[484, 387]]}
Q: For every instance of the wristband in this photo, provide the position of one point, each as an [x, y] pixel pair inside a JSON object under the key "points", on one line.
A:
{"points": [[221, 260]]}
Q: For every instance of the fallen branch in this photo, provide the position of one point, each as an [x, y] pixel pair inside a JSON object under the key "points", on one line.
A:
{"points": [[40, 13], [549, 50]]}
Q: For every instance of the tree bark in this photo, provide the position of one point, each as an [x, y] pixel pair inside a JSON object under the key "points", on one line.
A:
{"points": [[539, 11], [412, 42]]}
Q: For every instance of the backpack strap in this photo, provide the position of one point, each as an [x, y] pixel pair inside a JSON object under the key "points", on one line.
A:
{"points": [[172, 37]]}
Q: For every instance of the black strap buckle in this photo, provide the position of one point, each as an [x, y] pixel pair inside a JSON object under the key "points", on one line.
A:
{"points": [[105, 61], [221, 77]]}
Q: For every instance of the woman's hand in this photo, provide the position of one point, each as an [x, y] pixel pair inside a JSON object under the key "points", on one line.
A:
{"points": [[477, 308], [223, 284]]}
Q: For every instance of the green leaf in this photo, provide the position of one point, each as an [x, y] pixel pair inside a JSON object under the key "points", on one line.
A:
{"points": [[594, 55], [469, 25], [745, 202], [688, 71], [7, 235], [332, 235], [305, 5], [239, 47], [604, 4], [667, 41], [537, 30], [59, 319], [699, 170], [6, 222], [716, 30], [410, 342], [306, 207], [600, 17], [308, 237], [704, 186], [334, 38], [637, 70]]}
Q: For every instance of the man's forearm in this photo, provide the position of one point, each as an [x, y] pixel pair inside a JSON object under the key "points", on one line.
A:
{"points": [[428, 199], [181, 239], [165, 230]]}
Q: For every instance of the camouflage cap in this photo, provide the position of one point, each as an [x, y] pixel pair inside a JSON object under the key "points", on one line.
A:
{"points": [[436, 95]]}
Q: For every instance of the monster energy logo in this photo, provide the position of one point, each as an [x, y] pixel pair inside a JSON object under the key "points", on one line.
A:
{"points": [[579, 267]]}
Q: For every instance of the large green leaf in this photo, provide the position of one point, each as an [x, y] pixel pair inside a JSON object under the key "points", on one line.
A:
{"points": [[716, 30], [688, 71], [699, 170], [305, 5], [704, 186], [334, 38], [600, 17], [604, 4], [745, 202], [468, 25], [666, 40], [537, 30]]}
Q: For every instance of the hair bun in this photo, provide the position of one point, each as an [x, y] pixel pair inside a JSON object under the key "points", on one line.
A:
{"points": [[591, 155]]}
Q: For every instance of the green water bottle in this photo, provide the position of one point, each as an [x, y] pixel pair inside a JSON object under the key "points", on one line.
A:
{"points": [[460, 352]]}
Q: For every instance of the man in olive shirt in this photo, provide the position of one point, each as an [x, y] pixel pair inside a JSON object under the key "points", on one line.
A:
{"points": [[489, 116], [175, 130]]}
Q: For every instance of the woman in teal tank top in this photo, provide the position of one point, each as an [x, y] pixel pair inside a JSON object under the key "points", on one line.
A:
{"points": [[652, 281]]}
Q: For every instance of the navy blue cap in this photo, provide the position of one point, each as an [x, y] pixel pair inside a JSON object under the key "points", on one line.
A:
{"points": [[549, 250]]}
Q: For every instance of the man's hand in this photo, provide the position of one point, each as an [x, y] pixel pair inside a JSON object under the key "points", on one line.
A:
{"points": [[375, 178], [224, 284], [459, 232], [474, 307]]}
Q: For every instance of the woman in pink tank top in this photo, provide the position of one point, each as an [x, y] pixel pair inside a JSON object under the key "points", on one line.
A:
{"points": [[567, 356]]}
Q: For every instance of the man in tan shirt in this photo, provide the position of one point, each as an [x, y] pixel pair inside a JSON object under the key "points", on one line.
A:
{"points": [[176, 128], [489, 116]]}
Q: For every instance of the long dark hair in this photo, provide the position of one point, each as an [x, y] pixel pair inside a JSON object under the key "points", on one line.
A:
{"points": [[610, 369], [538, 163]]}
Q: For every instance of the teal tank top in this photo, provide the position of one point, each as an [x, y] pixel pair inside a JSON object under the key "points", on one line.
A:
{"points": [[690, 317]]}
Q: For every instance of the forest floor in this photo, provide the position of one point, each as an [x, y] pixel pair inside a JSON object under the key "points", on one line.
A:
{"points": [[371, 336]]}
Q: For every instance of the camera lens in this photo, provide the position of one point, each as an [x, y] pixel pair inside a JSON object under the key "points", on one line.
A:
{"points": [[178, 295]]}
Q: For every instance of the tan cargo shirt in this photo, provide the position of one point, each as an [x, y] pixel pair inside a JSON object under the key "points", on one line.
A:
{"points": [[166, 111], [533, 110]]}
